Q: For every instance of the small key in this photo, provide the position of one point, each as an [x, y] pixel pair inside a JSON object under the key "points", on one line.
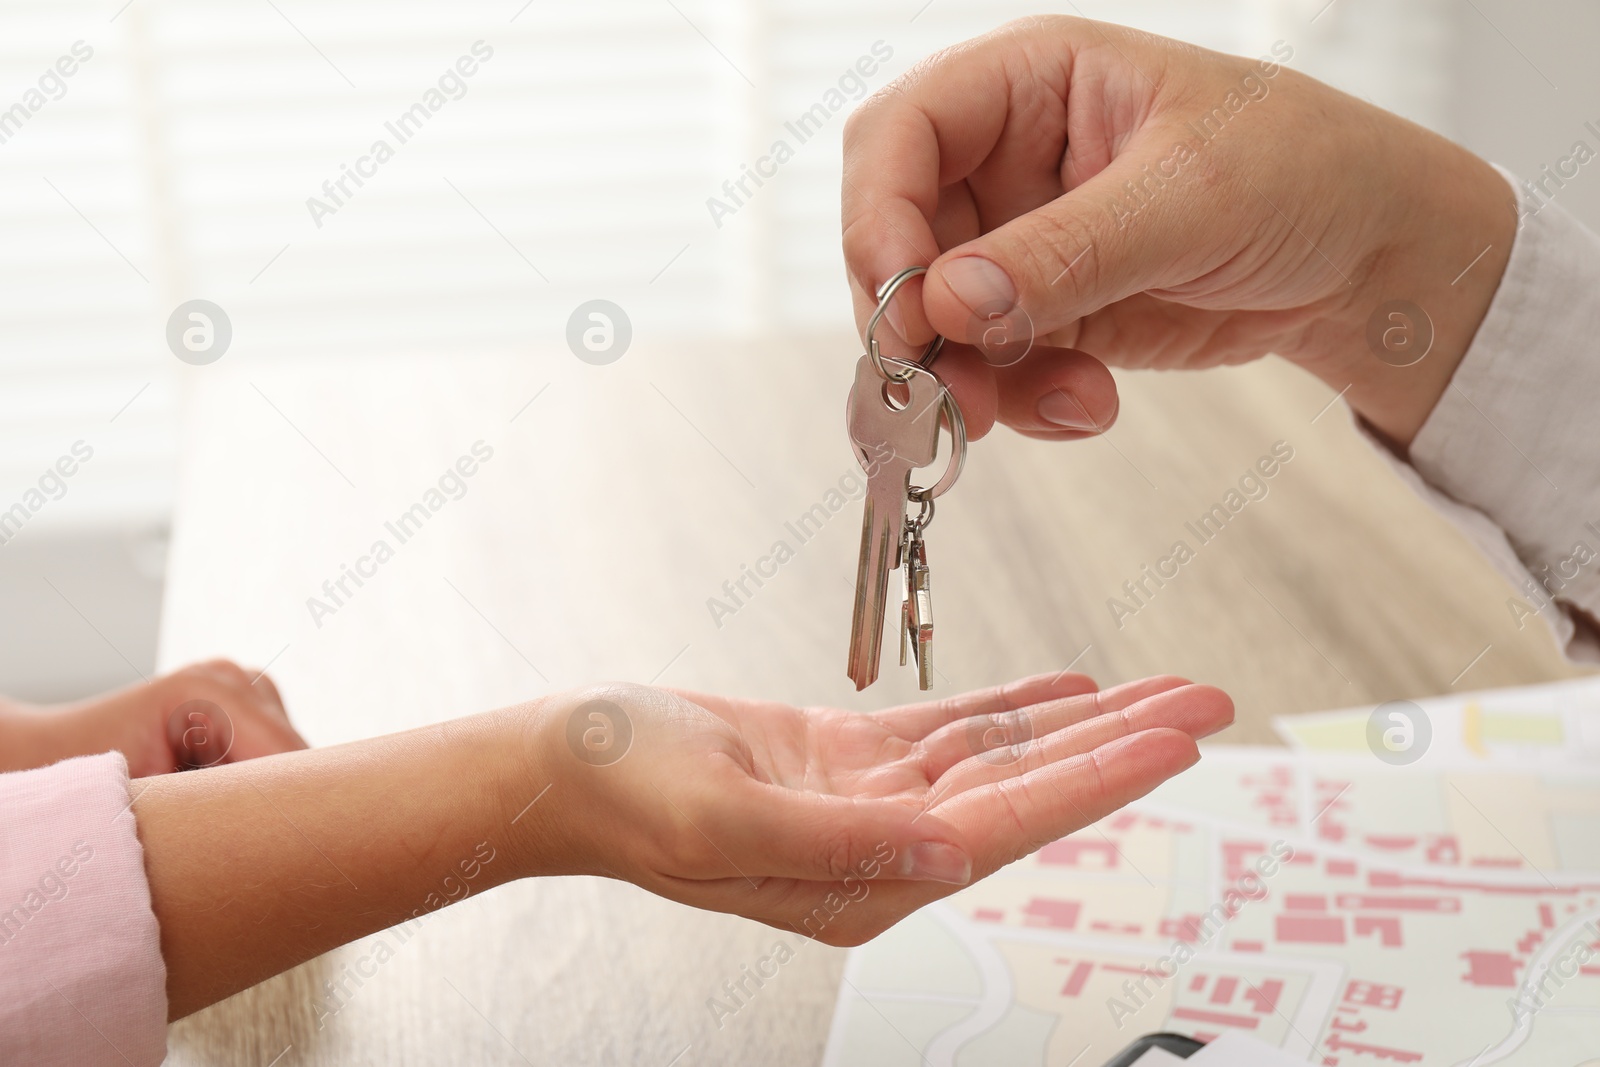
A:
{"points": [[905, 594], [890, 443], [919, 609]]}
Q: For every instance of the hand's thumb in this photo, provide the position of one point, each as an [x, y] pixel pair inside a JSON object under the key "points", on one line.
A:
{"points": [[1090, 247]]}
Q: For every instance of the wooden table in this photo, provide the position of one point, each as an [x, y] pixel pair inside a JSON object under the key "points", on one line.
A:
{"points": [[619, 499]]}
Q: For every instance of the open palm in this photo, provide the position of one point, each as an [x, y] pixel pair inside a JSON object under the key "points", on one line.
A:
{"points": [[767, 810]]}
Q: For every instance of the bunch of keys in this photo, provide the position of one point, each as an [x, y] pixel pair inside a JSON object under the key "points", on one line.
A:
{"points": [[895, 411]]}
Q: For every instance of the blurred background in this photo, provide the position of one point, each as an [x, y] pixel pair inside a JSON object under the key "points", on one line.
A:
{"points": [[176, 163]]}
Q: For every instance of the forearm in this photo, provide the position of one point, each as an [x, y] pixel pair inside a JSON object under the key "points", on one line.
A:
{"points": [[22, 741], [33, 735], [258, 866]]}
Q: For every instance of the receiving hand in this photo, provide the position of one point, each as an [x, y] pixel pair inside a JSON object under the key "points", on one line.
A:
{"points": [[200, 716], [765, 810], [1091, 187]]}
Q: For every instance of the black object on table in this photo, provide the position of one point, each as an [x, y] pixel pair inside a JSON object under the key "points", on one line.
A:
{"points": [[1176, 1044]]}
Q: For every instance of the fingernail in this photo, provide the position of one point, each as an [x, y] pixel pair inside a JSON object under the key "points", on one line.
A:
{"points": [[935, 861], [980, 284], [1065, 411]]}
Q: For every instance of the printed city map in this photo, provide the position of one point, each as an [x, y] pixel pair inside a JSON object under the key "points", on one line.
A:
{"points": [[1343, 910]]}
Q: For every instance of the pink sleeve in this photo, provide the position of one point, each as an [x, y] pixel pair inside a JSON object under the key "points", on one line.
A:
{"points": [[81, 975]]}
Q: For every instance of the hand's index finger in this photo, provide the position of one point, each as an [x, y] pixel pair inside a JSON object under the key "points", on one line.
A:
{"points": [[901, 147], [884, 234]]}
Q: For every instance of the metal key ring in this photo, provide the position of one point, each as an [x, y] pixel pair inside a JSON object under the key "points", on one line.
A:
{"points": [[958, 459], [885, 294], [924, 516]]}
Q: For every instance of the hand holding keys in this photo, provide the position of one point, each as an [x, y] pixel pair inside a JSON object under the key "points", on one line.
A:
{"points": [[894, 416]]}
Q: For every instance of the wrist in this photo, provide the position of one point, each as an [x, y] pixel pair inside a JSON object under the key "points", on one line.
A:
{"points": [[533, 792], [1444, 244]]}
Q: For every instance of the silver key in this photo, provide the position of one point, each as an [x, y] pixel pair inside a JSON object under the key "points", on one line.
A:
{"points": [[890, 442], [905, 594], [918, 609]]}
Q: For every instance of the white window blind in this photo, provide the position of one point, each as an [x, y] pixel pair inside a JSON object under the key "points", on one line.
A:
{"points": [[574, 161], [78, 264]]}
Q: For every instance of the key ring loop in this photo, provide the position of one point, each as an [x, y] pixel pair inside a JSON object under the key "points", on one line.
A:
{"points": [[885, 294], [958, 460], [924, 517]]}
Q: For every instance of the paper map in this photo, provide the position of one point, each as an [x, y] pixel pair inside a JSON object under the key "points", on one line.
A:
{"points": [[1343, 910], [1546, 723]]}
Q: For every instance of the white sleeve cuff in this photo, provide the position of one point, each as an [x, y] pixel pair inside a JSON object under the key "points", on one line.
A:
{"points": [[1511, 453]]}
